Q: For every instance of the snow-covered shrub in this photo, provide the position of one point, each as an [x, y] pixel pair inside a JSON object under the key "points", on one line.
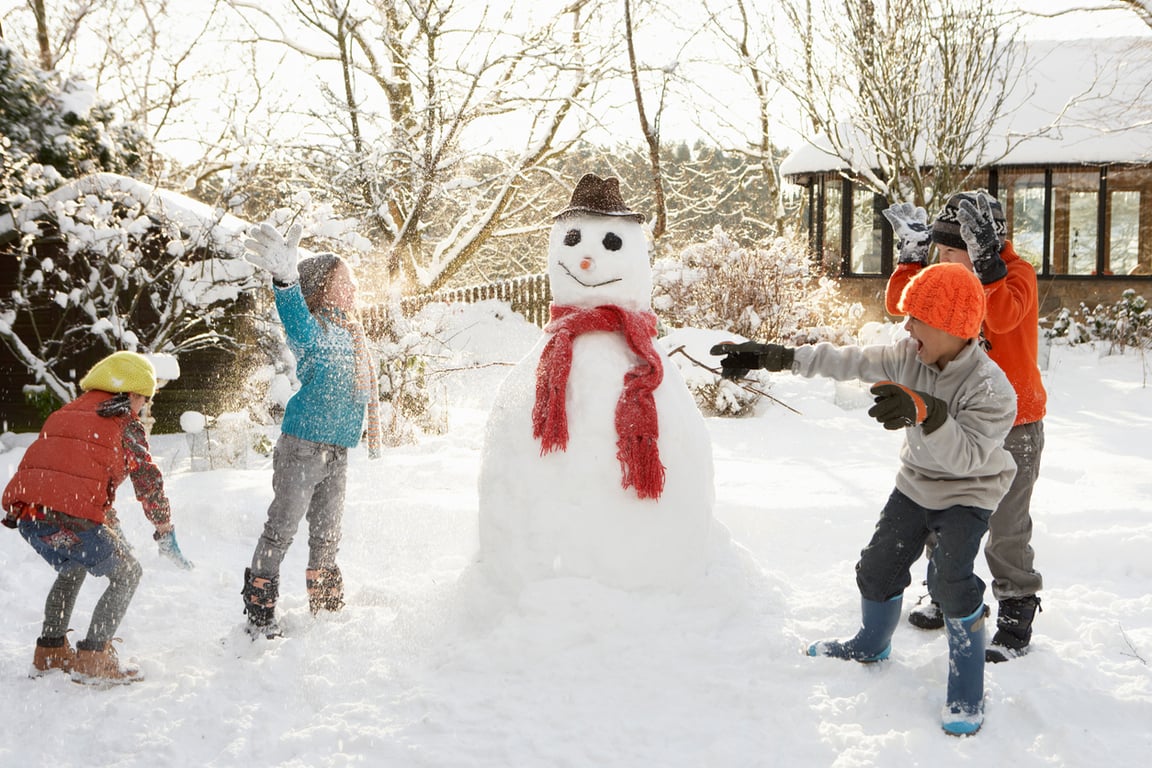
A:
{"points": [[1123, 324], [767, 293], [688, 349], [403, 348], [115, 265]]}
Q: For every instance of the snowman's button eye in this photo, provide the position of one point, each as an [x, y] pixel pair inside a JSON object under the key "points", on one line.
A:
{"points": [[572, 237], [612, 241]]}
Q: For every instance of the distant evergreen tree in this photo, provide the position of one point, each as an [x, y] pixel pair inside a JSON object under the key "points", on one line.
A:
{"points": [[58, 129]]}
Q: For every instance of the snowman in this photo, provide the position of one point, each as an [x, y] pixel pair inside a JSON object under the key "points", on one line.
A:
{"points": [[597, 463]]}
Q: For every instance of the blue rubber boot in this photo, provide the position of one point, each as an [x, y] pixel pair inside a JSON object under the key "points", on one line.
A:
{"points": [[873, 642], [964, 712]]}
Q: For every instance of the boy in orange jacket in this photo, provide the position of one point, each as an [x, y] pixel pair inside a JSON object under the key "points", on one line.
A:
{"points": [[971, 230]]}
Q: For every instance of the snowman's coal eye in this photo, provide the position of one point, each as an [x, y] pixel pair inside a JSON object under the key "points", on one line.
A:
{"points": [[612, 241], [572, 237]]}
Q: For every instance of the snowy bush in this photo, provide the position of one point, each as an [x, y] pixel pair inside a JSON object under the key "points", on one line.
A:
{"points": [[766, 294], [404, 349], [1123, 324], [111, 265]]}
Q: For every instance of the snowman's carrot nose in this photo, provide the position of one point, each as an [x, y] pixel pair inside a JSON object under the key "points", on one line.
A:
{"points": [[587, 263]]}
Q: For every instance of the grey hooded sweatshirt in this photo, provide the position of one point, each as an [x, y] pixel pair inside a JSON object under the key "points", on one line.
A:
{"points": [[964, 461]]}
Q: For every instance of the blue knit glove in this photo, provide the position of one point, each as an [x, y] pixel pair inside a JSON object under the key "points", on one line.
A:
{"points": [[913, 236], [171, 550], [978, 229]]}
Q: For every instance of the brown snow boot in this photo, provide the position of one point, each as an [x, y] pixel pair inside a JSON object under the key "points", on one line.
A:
{"points": [[97, 664], [52, 653], [1013, 629], [325, 589]]}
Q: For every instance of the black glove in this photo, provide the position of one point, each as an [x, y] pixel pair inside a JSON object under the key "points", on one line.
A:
{"points": [[741, 358], [897, 407], [979, 232]]}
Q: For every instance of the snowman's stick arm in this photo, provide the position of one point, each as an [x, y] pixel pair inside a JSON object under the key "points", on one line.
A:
{"points": [[747, 387]]}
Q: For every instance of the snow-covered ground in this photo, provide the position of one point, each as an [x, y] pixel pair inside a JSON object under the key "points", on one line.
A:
{"points": [[429, 665]]}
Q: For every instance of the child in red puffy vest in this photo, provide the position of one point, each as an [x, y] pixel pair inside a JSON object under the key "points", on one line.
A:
{"points": [[61, 499]]}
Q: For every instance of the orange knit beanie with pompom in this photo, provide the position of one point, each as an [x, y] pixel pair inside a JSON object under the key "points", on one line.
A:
{"points": [[946, 296]]}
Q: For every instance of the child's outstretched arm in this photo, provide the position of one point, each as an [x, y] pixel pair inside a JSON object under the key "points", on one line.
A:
{"points": [[741, 358], [149, 486]]}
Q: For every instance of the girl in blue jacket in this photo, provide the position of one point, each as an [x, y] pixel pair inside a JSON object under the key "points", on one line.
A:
{"points": [[316, 301]]}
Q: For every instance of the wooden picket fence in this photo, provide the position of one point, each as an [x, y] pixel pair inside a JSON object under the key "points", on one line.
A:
{"points": [[528, 295]]}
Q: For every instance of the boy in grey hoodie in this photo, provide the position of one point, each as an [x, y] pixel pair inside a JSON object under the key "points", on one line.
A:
{"points": [[955, 406]]}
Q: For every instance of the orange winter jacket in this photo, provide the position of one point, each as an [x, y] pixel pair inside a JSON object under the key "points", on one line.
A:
{"points": [[76, 463], [1011, 327]]}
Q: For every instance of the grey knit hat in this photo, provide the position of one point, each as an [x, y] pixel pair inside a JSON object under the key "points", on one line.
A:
{"points": [[946, 227], [314, 271]]}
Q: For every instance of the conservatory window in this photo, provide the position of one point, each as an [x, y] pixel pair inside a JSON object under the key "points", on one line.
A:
{"points": [[1129, 217], [865, 233], [833, 199], [1023, 200], [1075, 209]]}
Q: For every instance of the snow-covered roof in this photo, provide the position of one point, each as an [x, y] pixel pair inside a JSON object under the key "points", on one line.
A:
{"points": [[1078, 101]]}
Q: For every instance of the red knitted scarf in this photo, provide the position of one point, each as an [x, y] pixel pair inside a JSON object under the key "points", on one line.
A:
{"points": [[637, 425]]}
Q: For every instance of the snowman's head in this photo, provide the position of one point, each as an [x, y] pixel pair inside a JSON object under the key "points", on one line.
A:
{"points": [[597, 252]]}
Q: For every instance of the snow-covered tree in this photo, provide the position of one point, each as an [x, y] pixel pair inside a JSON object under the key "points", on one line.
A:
{"points": [[108, 263], [417, 95], [904, 92], [60, 126]]}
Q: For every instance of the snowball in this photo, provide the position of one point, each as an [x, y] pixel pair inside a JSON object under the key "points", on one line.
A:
{"points": [[193, 422]]}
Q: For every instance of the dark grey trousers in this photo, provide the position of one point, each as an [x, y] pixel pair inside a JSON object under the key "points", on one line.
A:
{"points": [[1009, 548], [308, 479]]}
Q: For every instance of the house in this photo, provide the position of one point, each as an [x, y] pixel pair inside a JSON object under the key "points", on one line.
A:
{"points": [[1075, 181]]}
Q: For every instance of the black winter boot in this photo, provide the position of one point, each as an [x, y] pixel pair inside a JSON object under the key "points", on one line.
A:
{"points": [[260, 604], [927, 616], [1013, 628]]}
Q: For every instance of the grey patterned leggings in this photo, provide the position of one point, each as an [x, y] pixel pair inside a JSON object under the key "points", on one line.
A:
{"points": [[110, 609]]}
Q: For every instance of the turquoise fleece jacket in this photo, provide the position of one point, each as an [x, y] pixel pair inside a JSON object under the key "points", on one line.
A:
{"points": [[327, 408], [962, 462]]}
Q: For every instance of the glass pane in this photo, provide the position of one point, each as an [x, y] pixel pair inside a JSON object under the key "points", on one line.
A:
{"points": [[1124, 232], [1023, 199], [865, 233], [833, 194], [1130, 222], [1074, 216]]}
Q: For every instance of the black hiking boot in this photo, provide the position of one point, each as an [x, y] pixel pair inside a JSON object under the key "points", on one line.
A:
{"points": [[260, 604], [1013, 629], [927, 616]]}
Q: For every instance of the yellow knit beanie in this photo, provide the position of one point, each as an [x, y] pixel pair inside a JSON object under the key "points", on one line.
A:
{"points": [[947, 296], [122, 372]]}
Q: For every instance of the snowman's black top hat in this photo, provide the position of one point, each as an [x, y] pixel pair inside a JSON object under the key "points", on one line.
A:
{"points": [[599, 197]]}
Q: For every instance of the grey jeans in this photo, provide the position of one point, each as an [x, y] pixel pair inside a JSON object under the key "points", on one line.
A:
{"points": [[1009, 547], [308, 479]]}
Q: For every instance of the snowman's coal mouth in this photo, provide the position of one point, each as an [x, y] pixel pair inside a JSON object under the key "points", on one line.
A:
{"points": [[589, 285]]}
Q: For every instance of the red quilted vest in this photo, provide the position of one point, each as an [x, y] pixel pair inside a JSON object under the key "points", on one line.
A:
{"points": [[76, 463]]}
